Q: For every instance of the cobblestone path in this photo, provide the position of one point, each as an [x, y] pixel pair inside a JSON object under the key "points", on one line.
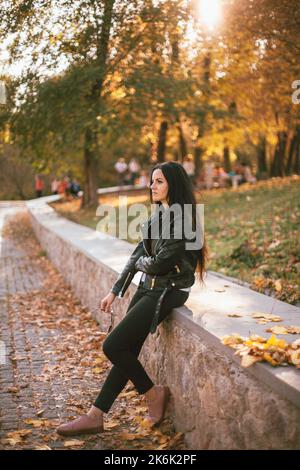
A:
{"points": [[51, 360]]}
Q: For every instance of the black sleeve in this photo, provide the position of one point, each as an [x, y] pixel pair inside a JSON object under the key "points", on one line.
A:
{"points": [[128, 272], [170, 253]]}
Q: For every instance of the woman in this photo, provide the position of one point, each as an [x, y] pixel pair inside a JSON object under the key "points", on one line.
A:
{"points": [[168, 269]]}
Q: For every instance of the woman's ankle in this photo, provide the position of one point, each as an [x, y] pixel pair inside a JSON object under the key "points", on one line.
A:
{"points": [[95, 413]]}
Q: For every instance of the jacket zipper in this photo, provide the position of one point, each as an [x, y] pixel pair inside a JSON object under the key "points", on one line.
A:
{"points": [[124, 283], [154, 246], [177, 268], [153, 281], [145, 248]]}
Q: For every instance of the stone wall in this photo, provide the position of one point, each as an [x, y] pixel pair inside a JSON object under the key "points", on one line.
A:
{"points": [[214, 402]]}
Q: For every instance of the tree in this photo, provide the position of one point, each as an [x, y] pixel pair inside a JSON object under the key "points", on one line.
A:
{"points": [[94, 41]]}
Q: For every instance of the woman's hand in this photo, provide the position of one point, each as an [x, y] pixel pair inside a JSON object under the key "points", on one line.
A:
{"points": [[105, 304]]}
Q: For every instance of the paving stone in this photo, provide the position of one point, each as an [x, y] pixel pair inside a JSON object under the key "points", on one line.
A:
{"points": [[55, 397]]}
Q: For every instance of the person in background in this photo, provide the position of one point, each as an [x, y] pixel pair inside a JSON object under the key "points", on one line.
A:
{"points": [[134, 168], [121, 168], [236, 175], [143, 180], [74, 187], [127, 178], [200, 179], [189, 166], [221, 176], [208, 175], [249, 178], [39, 186], [67, 187], [54, 186], [62, 187]]}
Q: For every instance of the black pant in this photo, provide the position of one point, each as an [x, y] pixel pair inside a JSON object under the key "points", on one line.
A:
{"points": [[123, 345]]}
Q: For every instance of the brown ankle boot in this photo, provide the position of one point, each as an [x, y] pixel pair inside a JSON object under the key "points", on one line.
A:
{"points": [[81, 425], [158, 405]]}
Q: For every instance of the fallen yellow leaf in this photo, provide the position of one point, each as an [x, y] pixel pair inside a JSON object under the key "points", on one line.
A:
{"points": [[266, 317], [74, 443], [278, 330], [36, 423], [232, 339], [100, 360], [127, 436], [249, 360], [295, 357], [273, 341], [269, 358], [17, 437], [294, 330]]}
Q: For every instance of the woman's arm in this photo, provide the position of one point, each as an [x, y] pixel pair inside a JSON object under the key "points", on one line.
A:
{"points": [[170, 253], [126, 276]]}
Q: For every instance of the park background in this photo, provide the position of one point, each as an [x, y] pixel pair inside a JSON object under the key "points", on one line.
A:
{"points": [[86, 85], [90, 82]]}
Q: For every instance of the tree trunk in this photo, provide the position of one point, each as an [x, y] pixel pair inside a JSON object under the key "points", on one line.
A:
{"points": [[90, 196], [162, 139], [226, 159], [198, 152], [182, 142], [207, 73], [175, 51], [199, 149], [292, 150], [274, 164], [176, 155], [277, 168], [296, 166], [282, 152], [262, 167], [91, 148]]}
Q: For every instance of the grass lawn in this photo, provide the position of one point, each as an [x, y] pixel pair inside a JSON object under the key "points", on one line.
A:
{"points": [[252, 232]]}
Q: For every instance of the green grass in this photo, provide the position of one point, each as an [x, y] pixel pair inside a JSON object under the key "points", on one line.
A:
{"points": [[252, 233]]}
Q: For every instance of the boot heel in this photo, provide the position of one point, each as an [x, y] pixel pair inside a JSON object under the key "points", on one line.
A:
{"points": [[157, 407], [167, 394]]}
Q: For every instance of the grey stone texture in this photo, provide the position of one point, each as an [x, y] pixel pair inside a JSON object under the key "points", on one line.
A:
{"points": [[214, 401]]}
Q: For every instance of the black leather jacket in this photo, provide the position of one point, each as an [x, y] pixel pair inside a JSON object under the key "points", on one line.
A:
{"points": [[167, 261]]}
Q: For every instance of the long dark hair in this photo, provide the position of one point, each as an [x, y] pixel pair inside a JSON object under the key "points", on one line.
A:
{"points": [[181, 192]]}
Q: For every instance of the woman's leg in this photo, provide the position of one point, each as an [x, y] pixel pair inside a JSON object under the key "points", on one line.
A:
{"points": [[116, 379], [124, 343], [123, 346]]}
